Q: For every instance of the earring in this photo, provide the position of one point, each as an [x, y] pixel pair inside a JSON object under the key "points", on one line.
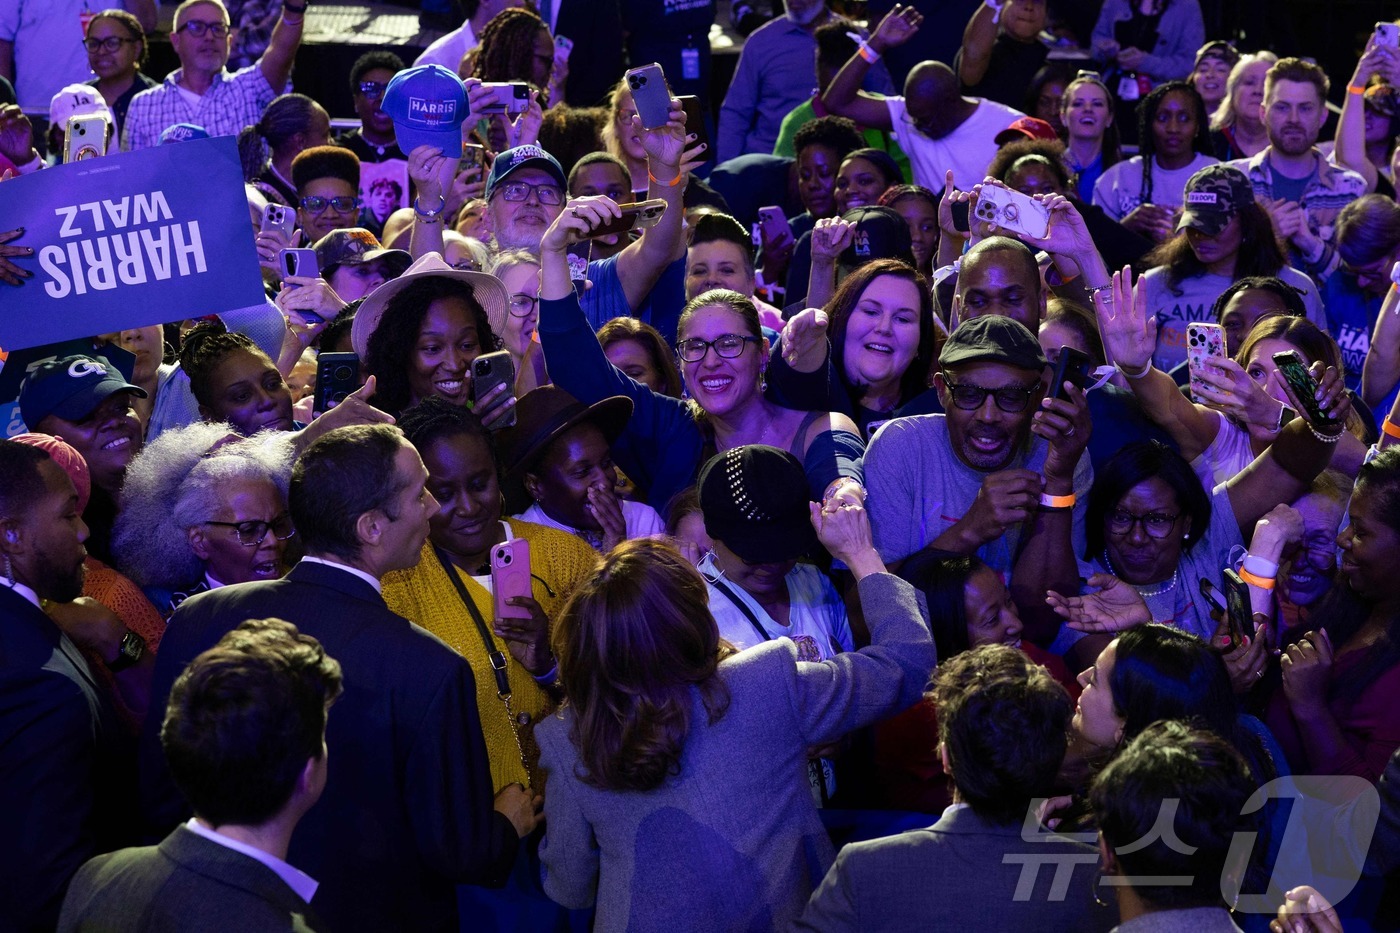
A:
{"points": [[1097, 882], [9, 571], [763, 380]]}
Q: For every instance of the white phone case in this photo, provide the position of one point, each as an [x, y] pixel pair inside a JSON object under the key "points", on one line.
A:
{"points": [[1012, 210], [1203, 342]]}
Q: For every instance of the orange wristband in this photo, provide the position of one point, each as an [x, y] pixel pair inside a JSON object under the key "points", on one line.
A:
{"points": [[1355, 89], [1264, 583], [1390, 428], [669, 184], [1056, 502]]}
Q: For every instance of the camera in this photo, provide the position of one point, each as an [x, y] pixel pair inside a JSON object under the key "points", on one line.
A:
{"points": [[636, 81]]}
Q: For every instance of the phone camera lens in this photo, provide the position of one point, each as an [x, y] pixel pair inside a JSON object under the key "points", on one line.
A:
{"points": [[505, 560]]}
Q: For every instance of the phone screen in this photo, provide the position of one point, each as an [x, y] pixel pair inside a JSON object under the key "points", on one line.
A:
{"points": [[1304, 386]]}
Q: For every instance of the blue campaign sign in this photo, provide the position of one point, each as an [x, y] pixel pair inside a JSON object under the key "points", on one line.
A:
{"points": [[128, 240]]}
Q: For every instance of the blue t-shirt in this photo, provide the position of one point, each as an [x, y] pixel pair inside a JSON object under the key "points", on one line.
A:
{"points": [[661, 308], [1290, 189], [1351, 317]]}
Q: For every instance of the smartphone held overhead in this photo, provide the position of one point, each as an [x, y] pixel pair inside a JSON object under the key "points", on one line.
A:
{"points": [[637, 216], [650, 95]]}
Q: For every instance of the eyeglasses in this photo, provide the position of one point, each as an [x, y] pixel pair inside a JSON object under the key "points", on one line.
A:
{"points": [[109, 44], [251, 534], [343, 204], [467, 265], [520, 191], [522, 305], [1009, 399], [1156, 524], [198, 27], [373, 90], [727, 346]]}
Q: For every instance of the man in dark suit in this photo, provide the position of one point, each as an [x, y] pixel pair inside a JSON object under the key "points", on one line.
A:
{"points": [[1003, 722], [63, 781], [245, 735], [407, 811]]}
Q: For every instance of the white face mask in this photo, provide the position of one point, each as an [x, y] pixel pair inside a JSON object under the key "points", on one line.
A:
{"points": [[803, 17]]}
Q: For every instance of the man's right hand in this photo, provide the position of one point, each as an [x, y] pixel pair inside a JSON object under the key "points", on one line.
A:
{"points": [[521, 806], [897, 28], [574, 222], [1006, 499]]}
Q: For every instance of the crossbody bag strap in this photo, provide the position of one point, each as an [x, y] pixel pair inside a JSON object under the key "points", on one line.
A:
{"points": [[733, 597], [494, 654]]}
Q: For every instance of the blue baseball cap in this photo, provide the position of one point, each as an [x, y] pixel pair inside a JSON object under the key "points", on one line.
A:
{"points": [[182, 133], [524, 157], [71, 388], [428, 105]]}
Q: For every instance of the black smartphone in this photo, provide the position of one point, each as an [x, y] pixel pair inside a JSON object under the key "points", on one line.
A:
{"points": [[490, 370], [1212, 595], [1295, 373], [961, 216], [1237, 609], [1072, 366], [694, 119], [337, 375]]}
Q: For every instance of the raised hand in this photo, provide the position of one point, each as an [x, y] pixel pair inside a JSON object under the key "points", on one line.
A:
{"points": [[1067, 236], [606, 509], [830, 237], [353, 409], [10, 273], [805, 340], [897, 28], [1066, 425], [665, 145], [1248, 660], [1151, 221], [1114, 607], [843, 528], [1129, 332], [1307, 671], [1224, 385], [574, 222]]}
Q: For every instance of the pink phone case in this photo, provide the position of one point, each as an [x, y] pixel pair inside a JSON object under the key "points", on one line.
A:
{"points": [[1203, 342], [510, 576]]}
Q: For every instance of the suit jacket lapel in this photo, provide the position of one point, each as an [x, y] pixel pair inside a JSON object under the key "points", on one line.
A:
{"points": [[220, 863]]}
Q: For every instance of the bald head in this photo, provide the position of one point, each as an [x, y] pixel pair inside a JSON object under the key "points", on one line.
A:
{"points": [[932, 100], [1000, 276]]}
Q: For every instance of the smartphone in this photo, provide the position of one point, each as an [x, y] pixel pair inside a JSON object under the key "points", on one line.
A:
{"points": [[1212, 595], [1295, 372], [510, 97], [510, 576], [1204, 342], [1012, 210], [490, 370], [772, 225], [637, 216], [1237, 609], [962, 222], [300, 262], [473, 158], [337, 375], [1073, 366], [694, 119], [85, 137], [563, 46], [650, 95], [1388, 34], [279, 218]]}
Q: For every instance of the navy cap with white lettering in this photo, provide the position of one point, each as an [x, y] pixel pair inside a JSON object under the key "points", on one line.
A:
{"points": [[1213, 196], [428, 105], [71, 388]]}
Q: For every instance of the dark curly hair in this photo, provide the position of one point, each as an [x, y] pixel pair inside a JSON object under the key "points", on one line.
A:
{"points": [[1147, 114], [392, 343], [435, 419], [369, 62], [836, 133], [1047, 152], [507, 49], [283, 119], [206, 346], [325, 162]]}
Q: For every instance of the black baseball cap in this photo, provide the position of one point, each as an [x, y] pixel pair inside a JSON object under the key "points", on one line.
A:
{"points": [[993, 338], [71, 388], [754, 499]]}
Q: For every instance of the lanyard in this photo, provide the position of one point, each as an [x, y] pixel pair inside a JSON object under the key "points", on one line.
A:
{"points": [[733, 597]]}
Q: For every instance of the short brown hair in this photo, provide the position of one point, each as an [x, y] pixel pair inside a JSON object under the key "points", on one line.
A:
{"points": [[1299, 70]]}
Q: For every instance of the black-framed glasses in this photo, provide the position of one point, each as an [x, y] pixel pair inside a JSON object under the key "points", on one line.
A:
{"points": [[520, 191], [373, 90], [1010, 399], [1156, 524], [727, 346], [252, 534], [343, 204], [522, 305], [107, 44], [198, 28]]}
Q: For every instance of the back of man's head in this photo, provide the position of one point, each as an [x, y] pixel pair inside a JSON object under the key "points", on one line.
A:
{"points": [[1003, 721], [245, 718], [341, 476], [1169, 806], [23, 484]]}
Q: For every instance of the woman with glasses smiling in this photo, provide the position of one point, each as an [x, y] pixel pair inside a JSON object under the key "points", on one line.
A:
{"points": [[199, 512], [116, 50], [723, 359]]}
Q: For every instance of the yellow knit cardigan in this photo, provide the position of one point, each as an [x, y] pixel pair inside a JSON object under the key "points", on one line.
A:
{"points": [[425, 595]]}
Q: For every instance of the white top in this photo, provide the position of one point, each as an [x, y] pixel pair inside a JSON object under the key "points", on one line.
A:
{"points": [[968, 150], [1119, 189], [1226, 456], [449, 50], [299, 881], [348, 569], [641, 521], [817, 620]]}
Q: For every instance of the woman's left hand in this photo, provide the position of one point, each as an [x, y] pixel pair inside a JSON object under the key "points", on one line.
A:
{"points": [[830, 237], [1331, 394], [309, 304], [1246, 662], [10, 273], [843, 528], [1307, 670], [1226, 387], [527, 640], [606, 509], [664, 145], [430, 170], [495, 407], [1067, 234]]}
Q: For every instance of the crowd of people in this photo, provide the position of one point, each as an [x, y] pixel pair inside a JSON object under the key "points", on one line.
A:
{"points": [[944, 479]]}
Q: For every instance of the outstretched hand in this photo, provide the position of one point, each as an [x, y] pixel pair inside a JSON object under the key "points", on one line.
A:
{"points": [[1114, 607], [1129, 332]]}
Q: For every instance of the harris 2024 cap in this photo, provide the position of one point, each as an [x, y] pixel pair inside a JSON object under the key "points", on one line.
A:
{"points": [[428, 105]]}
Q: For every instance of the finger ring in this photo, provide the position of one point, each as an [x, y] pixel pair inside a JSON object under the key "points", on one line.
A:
{"points": [[1259, 674], [1070, 432]]}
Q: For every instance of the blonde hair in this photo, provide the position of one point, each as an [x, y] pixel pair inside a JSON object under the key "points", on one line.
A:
{"points": [[1225, 115]]}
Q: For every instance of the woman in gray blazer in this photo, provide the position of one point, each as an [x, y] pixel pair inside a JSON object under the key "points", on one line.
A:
{"points": [[677, 795]]}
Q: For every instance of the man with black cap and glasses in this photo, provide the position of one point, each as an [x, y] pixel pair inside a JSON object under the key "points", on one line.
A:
{"points": [[974, 480]]}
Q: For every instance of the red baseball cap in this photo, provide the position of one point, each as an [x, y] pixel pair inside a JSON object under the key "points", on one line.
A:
{"points": [[1026, 128]]}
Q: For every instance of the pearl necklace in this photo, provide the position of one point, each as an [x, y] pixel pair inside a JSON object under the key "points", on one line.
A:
{"points": [[1141, 592]]}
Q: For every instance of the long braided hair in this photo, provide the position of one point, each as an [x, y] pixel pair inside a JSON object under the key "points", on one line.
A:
{"points": [[507, 49], [1147, 115]]}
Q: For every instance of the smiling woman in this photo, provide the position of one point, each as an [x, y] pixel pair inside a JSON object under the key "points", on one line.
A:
{"points": [[235, 382]]}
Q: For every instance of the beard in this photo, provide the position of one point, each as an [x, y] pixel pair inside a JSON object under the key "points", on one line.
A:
{"points": [[804, 17], [53, 580]]}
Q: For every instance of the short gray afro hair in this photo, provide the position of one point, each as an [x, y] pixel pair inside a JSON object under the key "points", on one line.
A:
{"points": [[174, 484]]}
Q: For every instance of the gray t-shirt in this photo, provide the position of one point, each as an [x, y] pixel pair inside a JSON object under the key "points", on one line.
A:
{"points": [[918, 488]]}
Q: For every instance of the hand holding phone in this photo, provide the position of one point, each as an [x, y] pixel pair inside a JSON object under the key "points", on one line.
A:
{"points": [[637, 216], [650, 95], [1073, 367], [510, 577], [489, 372], [1237, 610], [1303, 388], [278, 218], [1204, 342], [337, 375], [85, 137]]}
